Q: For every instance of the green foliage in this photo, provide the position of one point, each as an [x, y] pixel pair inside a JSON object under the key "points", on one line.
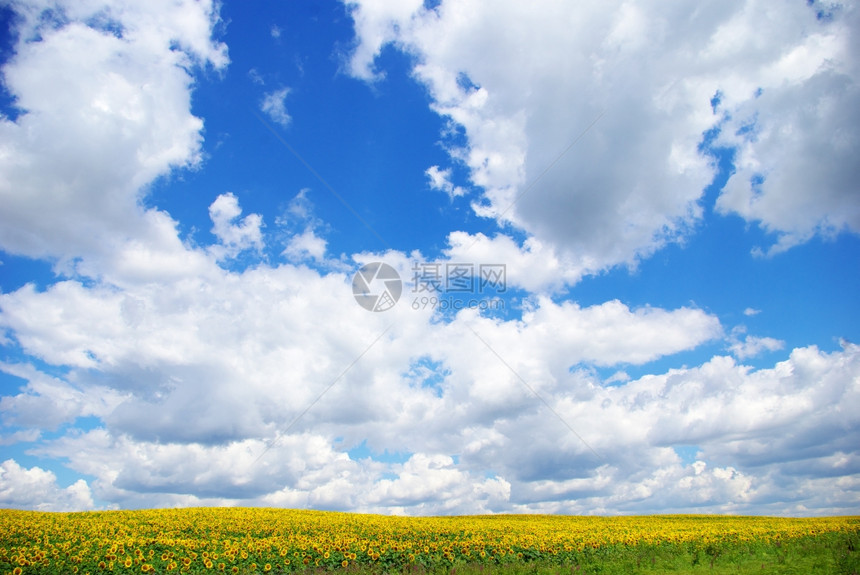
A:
{"points": [[827, 554]]}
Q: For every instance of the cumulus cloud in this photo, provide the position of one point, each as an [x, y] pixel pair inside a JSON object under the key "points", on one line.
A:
{"points": [[752, 428], [48, 402], [751, 346], [699, 406], [441, 180], [376, 28], [20, 436], [572, 90], [234, 235], [433, 485], [35, 488], [535, 266], [744, 346], [306, 244], [164, 369], [300, 330], [212, 385], [105, 105], [792, 120]]}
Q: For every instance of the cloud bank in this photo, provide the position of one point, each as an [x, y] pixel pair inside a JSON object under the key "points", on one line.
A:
{"points": [[164, 376]]}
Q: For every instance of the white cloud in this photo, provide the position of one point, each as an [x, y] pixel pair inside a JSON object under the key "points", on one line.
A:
{"points": [[300, 210], [617, 377], [376, 28], [535, 266], [234, 238], [199, 374], [274, 105], [47, 402], [744, 346], [303, 231], [269, 340], [752, 346], [646, 72], [255, 77], [433, 485], [607, 334], [741, 420], [305, 245], [749, 312], [794, 123], [26, 436], [37, 489], [441, 180], [79, 162]]}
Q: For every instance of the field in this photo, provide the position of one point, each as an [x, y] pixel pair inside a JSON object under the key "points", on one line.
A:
{"points": [[251, 540]]}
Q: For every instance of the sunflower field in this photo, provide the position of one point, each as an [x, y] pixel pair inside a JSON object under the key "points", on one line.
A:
{"points": [[252, 540]]}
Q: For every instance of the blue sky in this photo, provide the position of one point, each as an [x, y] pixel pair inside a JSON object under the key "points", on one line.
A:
{"points": [[188, 190]]}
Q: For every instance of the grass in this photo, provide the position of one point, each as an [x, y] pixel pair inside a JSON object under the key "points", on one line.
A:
{"points": [[827, 554]]}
